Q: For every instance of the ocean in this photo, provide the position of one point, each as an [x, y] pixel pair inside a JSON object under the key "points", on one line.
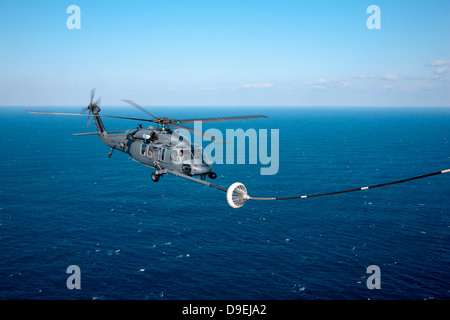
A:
{"points": [[63, 202]]}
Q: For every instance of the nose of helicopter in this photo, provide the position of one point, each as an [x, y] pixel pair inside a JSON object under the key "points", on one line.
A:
{"points": [[200, 168]]}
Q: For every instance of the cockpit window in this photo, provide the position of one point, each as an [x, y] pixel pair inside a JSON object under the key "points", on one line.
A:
{"points": [[195, 152]]}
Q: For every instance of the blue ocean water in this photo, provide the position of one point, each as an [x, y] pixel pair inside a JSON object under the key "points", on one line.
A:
{"points": [[64, 202]]}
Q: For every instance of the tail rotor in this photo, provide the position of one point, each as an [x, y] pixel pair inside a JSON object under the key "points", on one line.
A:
{"points": [[92, 106]]}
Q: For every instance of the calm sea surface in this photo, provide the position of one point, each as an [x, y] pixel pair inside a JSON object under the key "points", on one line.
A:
{"points": [[64, 202]]}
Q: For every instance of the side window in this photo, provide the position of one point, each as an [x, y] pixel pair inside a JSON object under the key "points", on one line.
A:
{"points": [[161, 154], [174, 156], [144, 149]]}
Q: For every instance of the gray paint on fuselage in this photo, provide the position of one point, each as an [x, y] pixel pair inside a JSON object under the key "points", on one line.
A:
{"points": [[158, 141]]}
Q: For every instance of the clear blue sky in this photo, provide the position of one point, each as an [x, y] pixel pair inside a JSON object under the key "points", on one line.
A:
{"points": [[226, 53]]}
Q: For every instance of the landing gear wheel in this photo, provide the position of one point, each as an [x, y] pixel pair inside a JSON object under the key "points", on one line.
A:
{"points": [[212, 175], [203, 176], [155, 177]]}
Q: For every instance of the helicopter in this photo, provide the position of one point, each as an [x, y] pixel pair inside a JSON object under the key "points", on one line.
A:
{"points": [[161, 148], [168, 152]]}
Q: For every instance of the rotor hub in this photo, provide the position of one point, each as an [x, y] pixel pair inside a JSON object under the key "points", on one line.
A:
{"points": [[164, 120]]}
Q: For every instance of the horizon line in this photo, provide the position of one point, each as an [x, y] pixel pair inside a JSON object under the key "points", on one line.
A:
{"points": [[235, 106]]}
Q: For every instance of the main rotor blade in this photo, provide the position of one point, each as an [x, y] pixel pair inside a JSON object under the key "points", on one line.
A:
{"points": [[83, 114], [139, 107], [92, 133], [194, 131], [62, 113], [220, 119]]}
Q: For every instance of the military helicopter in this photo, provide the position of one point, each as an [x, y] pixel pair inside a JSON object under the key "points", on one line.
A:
{"points": [[160, 148], [166, 151]]}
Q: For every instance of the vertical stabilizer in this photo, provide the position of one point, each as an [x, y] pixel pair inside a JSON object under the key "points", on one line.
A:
{"points": [[94, 109], [97, 120]]}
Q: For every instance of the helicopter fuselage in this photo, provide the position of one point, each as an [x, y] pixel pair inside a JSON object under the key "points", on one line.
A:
{"points": [[165, 150], [162, 150]]}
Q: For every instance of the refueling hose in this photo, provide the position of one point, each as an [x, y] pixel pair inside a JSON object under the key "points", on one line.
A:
{"points": [[237, 193]]}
